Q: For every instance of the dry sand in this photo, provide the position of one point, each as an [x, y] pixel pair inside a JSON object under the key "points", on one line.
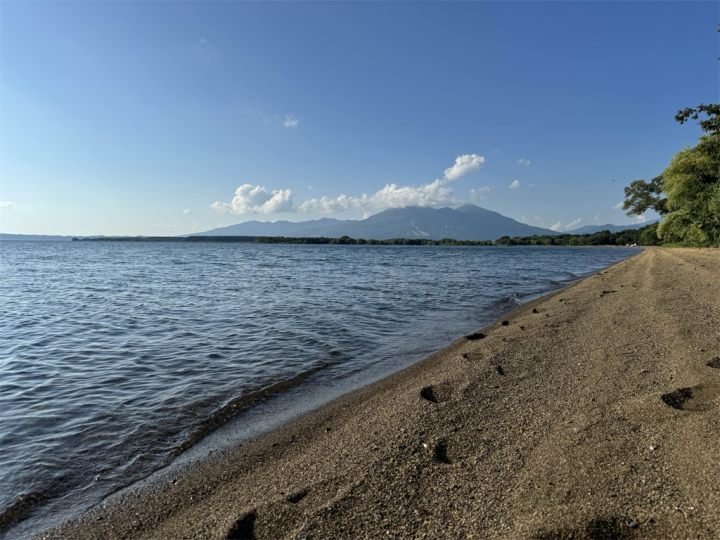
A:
{"points": [[592, 414]]}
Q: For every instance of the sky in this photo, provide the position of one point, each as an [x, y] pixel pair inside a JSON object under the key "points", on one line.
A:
{"points": [[168, 118]]}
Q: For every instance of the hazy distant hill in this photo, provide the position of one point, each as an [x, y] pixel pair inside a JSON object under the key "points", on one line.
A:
{"points": [[468, 222], [5, 237], [590, 229]]}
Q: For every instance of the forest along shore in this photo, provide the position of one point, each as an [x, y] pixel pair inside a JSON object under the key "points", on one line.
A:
{"points": [[588, 413]]}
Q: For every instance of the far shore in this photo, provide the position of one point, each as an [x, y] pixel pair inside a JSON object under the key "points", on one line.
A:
{"points": [[591, 412]]}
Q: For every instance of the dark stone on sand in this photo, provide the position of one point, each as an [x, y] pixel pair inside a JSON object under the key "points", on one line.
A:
{"points": [[535, 310], [475, 336], [500, 370], [505, 323]]}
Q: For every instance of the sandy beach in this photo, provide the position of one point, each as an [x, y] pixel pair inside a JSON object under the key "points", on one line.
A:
{"points": [[592, 412]]}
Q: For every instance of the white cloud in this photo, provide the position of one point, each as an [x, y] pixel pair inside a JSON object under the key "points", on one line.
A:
{"points": [[523, 161], [478, 194], [463, 165], [328, 205], [310, 187], [391, 196], [641, 219], [556, 227], [251, 199], [531, 185], [291, 121], [537, 218], [495, 152], [205, 50], [522, 218], [288, 120], [187, 211], [574, 223], [265, 119], [6, 205], [618, 206], [597, 217], [515, 184]]}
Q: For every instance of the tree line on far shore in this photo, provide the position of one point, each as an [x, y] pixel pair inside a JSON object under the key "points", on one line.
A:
{"points": [[647, 236]]}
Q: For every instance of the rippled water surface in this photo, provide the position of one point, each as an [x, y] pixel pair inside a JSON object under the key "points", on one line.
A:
{"points": [[113, 356]]}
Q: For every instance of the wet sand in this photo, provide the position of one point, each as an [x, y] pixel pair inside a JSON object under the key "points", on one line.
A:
{"points": [[593, 412]]}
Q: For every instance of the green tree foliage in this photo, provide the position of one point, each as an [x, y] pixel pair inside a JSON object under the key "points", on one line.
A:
{"points": [[602, 238], [687, 194], [712, 111], [641, 196], [692, 187], [709, 125]]}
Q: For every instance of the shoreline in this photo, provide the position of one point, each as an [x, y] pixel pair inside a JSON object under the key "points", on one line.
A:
{"points": [[417, 426], [48, 510]]}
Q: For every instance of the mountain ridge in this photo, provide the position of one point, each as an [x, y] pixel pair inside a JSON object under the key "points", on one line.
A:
{"points": [[467, 222], [590, 229]]}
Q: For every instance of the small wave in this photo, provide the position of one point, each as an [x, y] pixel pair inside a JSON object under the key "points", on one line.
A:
{"points": [[239, 404]]}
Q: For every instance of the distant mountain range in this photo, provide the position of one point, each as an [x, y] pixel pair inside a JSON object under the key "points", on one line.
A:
{"points": [[468, 222], [590, 229], [6, 237]]}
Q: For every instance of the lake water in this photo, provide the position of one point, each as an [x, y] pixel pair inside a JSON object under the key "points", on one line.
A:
{"points": [[116, 356]]}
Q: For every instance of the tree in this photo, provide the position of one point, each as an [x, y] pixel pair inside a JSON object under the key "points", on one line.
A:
{"points": [[647, 236], [692, 187], [711, 125], [712, 111], [641, 196]]}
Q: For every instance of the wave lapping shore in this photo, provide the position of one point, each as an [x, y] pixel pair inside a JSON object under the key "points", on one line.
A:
{"points": [[588, 413]]}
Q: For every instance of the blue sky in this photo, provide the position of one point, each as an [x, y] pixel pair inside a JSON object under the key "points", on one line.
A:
{"points": [[167, 118]]}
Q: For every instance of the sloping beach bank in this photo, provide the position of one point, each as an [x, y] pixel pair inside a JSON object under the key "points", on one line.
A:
{"points": [[593, 413]]}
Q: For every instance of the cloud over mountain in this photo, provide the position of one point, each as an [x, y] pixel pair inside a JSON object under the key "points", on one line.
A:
{"points": [[251, 199]]}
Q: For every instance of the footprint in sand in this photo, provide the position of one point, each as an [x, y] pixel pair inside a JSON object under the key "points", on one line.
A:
{"points": [[440, 452], [437, 394], [296, 497], [243, 528], [714, 363], [612, 528], [696, 398]]}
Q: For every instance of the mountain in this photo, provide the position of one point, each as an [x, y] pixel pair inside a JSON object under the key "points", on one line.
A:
{"points": [[590, 229], [6, 237], [468, 222]]}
